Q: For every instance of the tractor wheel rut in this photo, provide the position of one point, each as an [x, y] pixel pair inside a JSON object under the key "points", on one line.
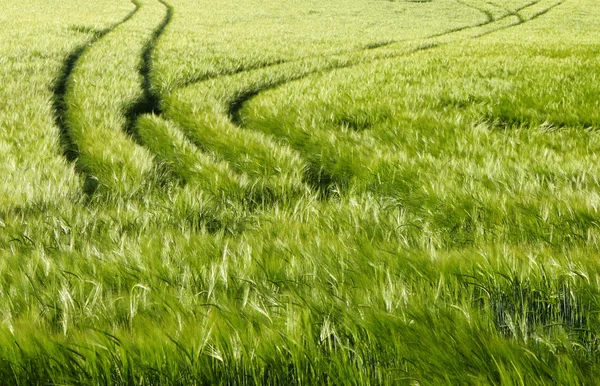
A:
{"points": [[59, 91]]}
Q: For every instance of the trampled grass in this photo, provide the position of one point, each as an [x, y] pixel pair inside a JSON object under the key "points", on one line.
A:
{"points": [[261, 192]]}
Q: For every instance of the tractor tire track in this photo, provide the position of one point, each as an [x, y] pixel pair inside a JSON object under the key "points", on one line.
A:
{"points": [[521, 19], [507, 10], [316, 177], [149, 101], [372, 46], [176, 155], [59, 91], [102, 83], [236, 104]]}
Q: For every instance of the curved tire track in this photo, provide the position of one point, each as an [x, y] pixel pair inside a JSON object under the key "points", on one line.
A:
{"points": [[236, 104], [321, 178], [521, 19], [313, 179], [95, 102], [59, 91], [314, 176], [177, 156], [149, 101], [373, 46]]}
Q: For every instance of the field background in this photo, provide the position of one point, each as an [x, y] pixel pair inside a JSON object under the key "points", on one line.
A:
{"points": [[299, 192]]}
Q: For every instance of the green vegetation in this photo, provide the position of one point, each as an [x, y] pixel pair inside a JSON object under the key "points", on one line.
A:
{"points": [[262, 192]]}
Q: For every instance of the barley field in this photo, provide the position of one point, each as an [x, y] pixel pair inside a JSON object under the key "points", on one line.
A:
{"points": [[245, 192]]}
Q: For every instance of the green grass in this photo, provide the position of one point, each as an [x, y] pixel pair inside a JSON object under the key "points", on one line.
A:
{"points": [[259, 192]]}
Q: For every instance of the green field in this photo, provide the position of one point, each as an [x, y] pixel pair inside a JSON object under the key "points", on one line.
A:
{"points": [[357, 192]]}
